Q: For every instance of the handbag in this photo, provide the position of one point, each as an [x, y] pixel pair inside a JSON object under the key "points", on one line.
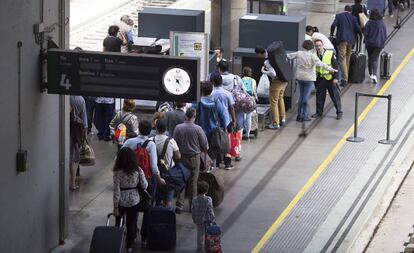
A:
{"points": [[145, 199], [263, 86], [235, 143], [242, 100], [86, 153]]}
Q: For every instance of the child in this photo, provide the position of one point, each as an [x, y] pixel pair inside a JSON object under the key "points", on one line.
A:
{"points": [[202, 212]]}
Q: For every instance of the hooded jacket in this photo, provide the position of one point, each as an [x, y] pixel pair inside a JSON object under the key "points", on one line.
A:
{"points": [[375, 33], [210, 114]]}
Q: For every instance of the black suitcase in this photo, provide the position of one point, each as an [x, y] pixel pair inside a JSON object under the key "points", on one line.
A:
{"points": [[216, 185], [277, 57], [109, 239], [161, 229], [357, 66], [385, 65]]}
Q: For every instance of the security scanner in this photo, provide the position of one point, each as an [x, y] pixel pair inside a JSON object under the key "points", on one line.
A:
{"points": [[158, 22]]}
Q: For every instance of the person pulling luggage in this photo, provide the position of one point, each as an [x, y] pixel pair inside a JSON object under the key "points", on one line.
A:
{"points": [[326, 81]]}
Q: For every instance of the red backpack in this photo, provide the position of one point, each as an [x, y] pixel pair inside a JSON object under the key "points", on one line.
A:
{"points": [[143, 158]]}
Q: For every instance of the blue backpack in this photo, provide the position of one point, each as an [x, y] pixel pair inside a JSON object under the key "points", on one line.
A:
{"points": [[248, 85]]}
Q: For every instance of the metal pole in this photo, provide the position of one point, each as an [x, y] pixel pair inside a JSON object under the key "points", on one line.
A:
{"points": [[355, 138], [387, 140]]}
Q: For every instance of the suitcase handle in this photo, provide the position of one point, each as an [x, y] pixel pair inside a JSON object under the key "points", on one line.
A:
{"points": [[108, 218]]}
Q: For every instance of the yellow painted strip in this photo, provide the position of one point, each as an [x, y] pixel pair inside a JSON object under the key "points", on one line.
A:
{"points": [[328, 159]]}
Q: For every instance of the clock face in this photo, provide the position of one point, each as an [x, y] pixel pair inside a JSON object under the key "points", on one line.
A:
{"points": [[176, 81]]}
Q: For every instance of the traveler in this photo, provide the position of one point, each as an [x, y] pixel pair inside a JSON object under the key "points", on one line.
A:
{"points": [[175, 117], [347, 28], [128, 119], [78, 128], [127, 178], [202, 213], [326, 81], [249, 85], [358, 8], [155, 117], [230, 81], [171, 154], [153, 175], [191, 141], [211, 114], [375, 35], [104, 113], [306, 61], [276, 91], [125, 29], [227, 100], [311, 31], [114, 40], [219, 54]]}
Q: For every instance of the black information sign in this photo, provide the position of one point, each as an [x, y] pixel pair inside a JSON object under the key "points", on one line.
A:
{"points": [[146, 77]]}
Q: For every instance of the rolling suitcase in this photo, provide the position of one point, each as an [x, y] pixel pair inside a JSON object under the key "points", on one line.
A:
{"points": [[357, 66], [385, 65], [212, 238], [109, 239], [255, 124], [216, 185], [162, 233]]}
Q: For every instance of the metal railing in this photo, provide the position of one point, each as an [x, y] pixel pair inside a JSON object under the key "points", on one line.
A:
{"points": [[355, 138]]}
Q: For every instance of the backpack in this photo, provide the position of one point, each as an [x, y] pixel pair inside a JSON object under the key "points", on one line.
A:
{"points": [[242, 101], [143, 158], [121, 130], [162, 164], [248, 85]]}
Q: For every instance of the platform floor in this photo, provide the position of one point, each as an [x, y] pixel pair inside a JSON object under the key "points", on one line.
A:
{"points": [[275, 169]]}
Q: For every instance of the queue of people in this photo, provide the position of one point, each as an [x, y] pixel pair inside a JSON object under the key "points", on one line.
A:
{"points": [[183, 134]]}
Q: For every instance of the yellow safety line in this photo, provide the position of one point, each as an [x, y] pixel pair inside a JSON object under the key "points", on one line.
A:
{"points": [[328, 159]]}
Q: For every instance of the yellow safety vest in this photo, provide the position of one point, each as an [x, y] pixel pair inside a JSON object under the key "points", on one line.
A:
{"points": [[326, 58]]}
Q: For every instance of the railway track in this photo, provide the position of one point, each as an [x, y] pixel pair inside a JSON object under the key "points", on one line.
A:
{"points": [[90, 34]]}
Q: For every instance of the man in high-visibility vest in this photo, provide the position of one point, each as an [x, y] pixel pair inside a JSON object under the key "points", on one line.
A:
{"points": [[326, 81]]}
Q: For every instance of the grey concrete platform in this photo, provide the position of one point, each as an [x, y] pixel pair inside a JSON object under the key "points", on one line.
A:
{"points": [[273, 170]]}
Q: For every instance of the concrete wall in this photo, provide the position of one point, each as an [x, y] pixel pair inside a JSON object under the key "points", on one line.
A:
{"points": [[29, 209]]}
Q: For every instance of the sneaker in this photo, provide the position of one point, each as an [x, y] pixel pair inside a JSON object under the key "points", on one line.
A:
{"points": [[374, 79], [307, 119], [273, 126], [282, 122], [129, 250], [229, 167], [238, 158], [343, 83], [299, 119], [316, 115], [339, 116]]}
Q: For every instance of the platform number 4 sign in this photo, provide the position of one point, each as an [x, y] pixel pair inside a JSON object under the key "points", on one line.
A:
{"points": [[64, 82]]}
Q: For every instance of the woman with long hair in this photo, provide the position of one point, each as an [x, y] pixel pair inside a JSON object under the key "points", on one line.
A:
{"points": [[127, 178], [375, 35]]}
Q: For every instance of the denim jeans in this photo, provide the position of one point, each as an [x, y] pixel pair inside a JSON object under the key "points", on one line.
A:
{"points": [[305, 88], [244, 121]]}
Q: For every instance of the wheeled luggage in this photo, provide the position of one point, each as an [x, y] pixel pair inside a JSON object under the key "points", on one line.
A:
{"points": [[216, 185], [109, 239], [161, 228], [212, 238], [357, 66], [277, 58], [385, 65], [255, 124]]}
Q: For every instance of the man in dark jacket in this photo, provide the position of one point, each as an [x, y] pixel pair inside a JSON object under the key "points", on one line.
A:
{"points": [[347, 28]]}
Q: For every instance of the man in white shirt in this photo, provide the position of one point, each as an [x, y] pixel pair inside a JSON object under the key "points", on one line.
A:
{"points": [[314, 35]]}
